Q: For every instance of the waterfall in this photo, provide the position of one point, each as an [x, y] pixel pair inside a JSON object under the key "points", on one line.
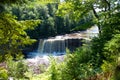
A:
{"points": [[57, 45], [51, 46], [40, 46]]}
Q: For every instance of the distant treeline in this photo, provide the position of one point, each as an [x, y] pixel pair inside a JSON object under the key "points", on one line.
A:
{"points": [[51, 23]]}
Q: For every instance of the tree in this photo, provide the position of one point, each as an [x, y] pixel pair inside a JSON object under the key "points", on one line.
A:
{"points": [[79, 9], [51, 24], [105, 15], [13, 36]]}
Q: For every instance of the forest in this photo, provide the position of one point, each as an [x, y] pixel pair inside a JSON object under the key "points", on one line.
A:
{"points": [[24, 22]]}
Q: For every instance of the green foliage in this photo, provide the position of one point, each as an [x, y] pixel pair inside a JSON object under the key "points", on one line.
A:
{"points": [[51, 24], [78, 12], [64, 8], [103, 52], [79, 65], [76, 66], [117, 73], [47, 1], [113, 47], [3, 73], [16, 69], [10, 1], [13, 36], [112, 52], [77, 9], [42, 68], [53, 69]]}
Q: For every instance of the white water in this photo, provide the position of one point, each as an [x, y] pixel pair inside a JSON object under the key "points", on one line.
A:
{"points": [[53, 46]]}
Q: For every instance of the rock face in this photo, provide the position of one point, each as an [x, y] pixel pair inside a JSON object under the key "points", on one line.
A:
{"points": [[72, 44]]}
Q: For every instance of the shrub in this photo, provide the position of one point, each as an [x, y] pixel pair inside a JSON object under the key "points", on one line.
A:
{"points": [[16, 69], [3, 74]]}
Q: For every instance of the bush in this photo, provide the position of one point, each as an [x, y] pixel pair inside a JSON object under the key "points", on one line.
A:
{"points": [[76, 66], [16, 69], [3, 74], [53, 69], [112, 54]]}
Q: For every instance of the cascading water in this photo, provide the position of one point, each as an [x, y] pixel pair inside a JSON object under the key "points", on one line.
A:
{"points": [[51, 46], [57, 45]]}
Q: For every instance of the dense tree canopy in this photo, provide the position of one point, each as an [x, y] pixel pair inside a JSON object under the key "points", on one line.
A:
{"points": [[51, 24], [101, 9], [13, 36]]}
